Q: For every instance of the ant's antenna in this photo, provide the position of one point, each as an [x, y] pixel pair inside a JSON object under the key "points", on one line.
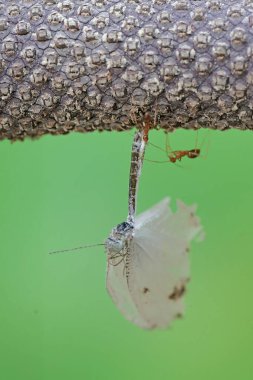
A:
{"points": [[75, 249]]}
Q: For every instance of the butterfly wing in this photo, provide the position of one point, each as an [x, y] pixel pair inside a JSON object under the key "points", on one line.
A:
{"points": [[116, 283], [159, 263]]}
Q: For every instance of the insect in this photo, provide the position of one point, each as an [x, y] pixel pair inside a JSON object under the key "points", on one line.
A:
{"points": [[148, 285], [176, 155], [147, 255], [147, 124], [173, 155], [146, 127]]}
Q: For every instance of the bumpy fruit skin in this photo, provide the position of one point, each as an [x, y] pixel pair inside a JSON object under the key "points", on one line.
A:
{"points": [[102, 64]]}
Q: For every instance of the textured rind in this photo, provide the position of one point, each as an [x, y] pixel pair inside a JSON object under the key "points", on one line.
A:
{"points": [[101, 64]]}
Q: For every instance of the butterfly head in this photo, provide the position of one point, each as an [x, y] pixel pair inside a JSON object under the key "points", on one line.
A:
{"points": [[118, 240]]}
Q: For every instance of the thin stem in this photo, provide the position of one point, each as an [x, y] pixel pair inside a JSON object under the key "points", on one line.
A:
{"points": [[137, 157]]}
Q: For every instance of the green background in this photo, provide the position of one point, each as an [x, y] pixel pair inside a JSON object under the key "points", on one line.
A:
{"points": [[56, 318]]}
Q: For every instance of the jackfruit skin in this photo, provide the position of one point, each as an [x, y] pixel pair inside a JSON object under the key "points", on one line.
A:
{"points": [[103, 64]]}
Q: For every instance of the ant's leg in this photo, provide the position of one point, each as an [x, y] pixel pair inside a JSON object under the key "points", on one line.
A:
{"points": [[155, 114], [156, 146], [196, 140], [157, 162], [207, 145], [163, 162], [168, 148], [133, 118]]}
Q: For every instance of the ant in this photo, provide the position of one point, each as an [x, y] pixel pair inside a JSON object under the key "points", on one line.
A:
{"points": [[146, 127], [177, 155], [173, 155], [146, 123]]}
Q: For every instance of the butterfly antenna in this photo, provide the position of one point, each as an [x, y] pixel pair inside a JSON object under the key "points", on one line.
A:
{"points": [[75, 249]]}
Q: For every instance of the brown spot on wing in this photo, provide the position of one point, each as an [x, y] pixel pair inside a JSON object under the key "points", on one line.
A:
{"points": [[177, 293], [145, 290]]}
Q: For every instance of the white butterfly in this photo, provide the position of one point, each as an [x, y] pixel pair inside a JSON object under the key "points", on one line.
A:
{"points": [[148, 264]]}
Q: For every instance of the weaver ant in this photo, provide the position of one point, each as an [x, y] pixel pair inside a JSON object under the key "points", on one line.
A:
{"points": [[146, 127], [146, 123], [177, 155], [173, 155]]}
